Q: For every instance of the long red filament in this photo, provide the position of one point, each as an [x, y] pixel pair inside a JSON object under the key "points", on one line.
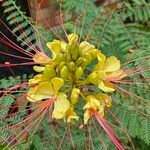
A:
{"points": [[15, 34], [107, 129], [14, 56], [13, 45], [41, 112], [36, 50], [15, 87]]}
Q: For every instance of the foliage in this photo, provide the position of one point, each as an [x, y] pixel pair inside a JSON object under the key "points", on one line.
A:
{"points": [[22, 25]]}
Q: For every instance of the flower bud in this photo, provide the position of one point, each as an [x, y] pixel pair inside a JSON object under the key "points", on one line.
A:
{"points": [[79, 73], [88, 57], [68, 57], [94, 53], [61, 65], [74, 51], [79, 51], [74, 55], [79, 61], [85, 62], [64, 72], [72, 38], [72, 66]]}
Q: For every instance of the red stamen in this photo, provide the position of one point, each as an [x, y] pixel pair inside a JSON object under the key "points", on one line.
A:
{"points": [[9, 43], [107, 129], [15, 56], [14, 87]]}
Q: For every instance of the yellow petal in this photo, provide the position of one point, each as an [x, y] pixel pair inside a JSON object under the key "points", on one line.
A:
{"points": [[72, 38], [40, 92], [87, 115], [106, 86], [55, 47], [58, 59], [61, 106], [101, 57], [86, 47], [111, 64], [72, 116], [92, 102], [117, 75], [35, 80], [38, 68], [94, 53], [48, 73], [104, 98], [93, 78], [101, 110], [74, 95], [41, 58], [63, 46], [57, 84], [101, 75], [99, 66]]}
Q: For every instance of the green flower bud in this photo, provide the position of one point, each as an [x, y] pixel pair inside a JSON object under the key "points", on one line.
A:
{"points": [[79, 51], [68, 57], [74, 51], [94, 53], [79, 73], [64, 72], [64, 56], [88, 57], [72, 66], [61, 65], [85, 62], [74, 55], [72, 38], [79, 61]]}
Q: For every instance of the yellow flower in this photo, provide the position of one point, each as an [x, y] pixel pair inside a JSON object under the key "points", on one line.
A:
{"points": [[61, 106], [56, 47], [92, 104], [63, 109], [43, 89], [69, 59], [108, 70]]}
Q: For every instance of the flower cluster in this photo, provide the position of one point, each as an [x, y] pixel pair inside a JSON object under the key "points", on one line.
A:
{"points": [[65, 75]]}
